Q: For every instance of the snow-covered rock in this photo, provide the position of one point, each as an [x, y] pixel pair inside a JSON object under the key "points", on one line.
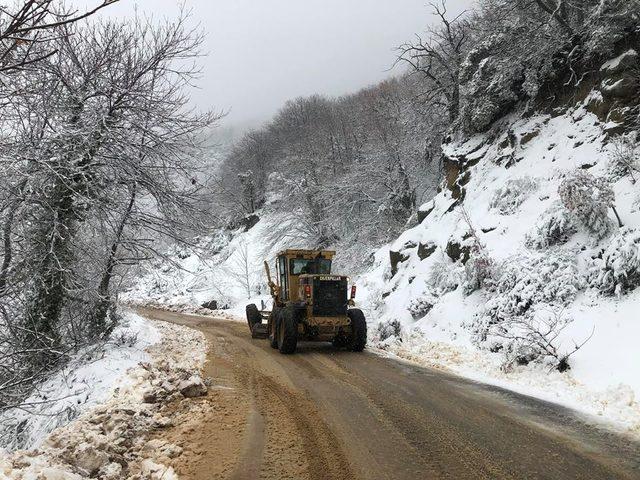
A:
{"points": [[193, 387]]}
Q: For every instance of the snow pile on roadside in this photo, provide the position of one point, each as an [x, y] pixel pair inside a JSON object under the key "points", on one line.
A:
{"points": [[88, 379], [235, 313], [110, 441], [498, 253], [189, 309]]}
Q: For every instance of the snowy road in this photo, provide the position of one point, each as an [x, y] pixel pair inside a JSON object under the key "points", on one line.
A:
{"points": [[321, 414]]}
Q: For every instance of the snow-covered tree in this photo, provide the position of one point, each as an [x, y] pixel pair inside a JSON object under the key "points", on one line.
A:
{"points": [[624, 158], [103, 160], [508, 198], [444, 275], [521, 50], [242, 269], [554, 227], [480, 268], [29, 27], [523, 292], [525, 281], [438, 57], [391, 329], [589, 199], [617, 270]]}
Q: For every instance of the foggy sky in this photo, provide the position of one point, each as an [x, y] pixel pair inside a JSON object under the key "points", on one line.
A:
{"points": [[264, 52]]}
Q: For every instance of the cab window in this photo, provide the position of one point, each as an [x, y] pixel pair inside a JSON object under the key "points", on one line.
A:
{"points": [[302, 266]]}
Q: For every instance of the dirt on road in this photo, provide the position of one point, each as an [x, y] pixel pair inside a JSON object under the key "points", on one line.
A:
{"points": [[325, 414]]}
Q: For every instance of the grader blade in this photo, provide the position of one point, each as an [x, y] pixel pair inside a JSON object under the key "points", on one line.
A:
{"points": [[259, 330]]}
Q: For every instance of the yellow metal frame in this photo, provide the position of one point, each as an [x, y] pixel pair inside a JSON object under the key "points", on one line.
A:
{"points": [[323, 323]]}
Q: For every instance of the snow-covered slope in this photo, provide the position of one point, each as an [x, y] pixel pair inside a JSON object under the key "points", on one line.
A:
{"points": [[112, 436], [499, 266], [225, 267]]}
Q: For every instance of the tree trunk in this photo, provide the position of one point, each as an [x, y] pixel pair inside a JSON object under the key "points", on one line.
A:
{"points": [[454, 103], [7, 230], [620, 224], [99, 325], [51, 273]]}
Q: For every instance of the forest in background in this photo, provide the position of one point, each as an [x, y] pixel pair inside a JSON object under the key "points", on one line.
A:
{"points": [[354, 169]]}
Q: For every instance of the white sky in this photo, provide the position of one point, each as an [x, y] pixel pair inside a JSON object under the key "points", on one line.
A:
{"points": [[264, 52]]}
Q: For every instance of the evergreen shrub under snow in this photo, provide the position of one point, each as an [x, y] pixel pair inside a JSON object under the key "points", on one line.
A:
{"points": [[618, 269], [444, 275], [623, 159], [388, 330], [589, 199], [508, 198], [554, 227], [525, 282], [422, 305], [522, 317], [478, 271]]}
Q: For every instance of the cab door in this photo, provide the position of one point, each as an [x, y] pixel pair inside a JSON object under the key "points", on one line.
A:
{"points": [[284, 278]]}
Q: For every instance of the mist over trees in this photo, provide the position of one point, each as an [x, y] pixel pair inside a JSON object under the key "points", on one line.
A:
{"points": [[355, 168], [358, 164]]}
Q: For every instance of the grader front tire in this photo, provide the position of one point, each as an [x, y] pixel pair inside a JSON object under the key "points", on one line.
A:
{"points": [[273, 334], [287, 331]]}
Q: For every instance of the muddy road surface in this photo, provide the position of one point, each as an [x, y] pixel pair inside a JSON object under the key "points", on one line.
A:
{"points": [[322, 414]]}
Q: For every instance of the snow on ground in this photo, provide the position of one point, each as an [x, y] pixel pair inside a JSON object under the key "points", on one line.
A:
{"points": [[110, 439], [427, 298]]}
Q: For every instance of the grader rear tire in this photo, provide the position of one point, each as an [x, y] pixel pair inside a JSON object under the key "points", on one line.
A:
{"points": [[358, 330], [287, 331]]}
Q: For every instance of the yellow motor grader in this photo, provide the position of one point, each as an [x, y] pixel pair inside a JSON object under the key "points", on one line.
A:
{"points": [[309, 303]]}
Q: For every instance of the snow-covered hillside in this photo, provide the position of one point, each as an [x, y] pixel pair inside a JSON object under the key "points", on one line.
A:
{"points": [[503, 280], [224, 270]]}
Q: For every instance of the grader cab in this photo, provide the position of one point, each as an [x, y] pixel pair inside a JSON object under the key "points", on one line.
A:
{"points": [[309, 303]]}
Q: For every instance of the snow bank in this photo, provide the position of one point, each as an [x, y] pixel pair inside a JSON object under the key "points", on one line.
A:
{"points": [[111, 440], [88, 379]]}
